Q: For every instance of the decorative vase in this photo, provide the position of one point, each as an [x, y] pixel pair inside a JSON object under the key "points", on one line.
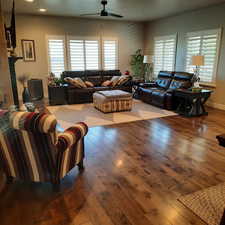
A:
{"points": [[26, 95]]}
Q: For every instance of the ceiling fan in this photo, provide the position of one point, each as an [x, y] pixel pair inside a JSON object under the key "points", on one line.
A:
{"points": [[104, 12]]}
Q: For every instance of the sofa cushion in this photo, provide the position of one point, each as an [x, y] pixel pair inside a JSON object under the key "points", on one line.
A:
{"points": [[175, 84], [96, 80], [111, 73], [158, 98], [163, 82], [181, 80], [164, 79]]}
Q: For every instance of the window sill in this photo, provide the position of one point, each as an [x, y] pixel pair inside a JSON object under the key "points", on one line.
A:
{"points": [[210, 85]]}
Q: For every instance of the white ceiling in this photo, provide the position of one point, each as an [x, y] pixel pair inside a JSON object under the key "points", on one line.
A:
{"points": [[133, 10]]}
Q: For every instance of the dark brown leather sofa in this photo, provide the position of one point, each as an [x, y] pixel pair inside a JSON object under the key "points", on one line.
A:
{"points": [[161, 92], [84, 95]]}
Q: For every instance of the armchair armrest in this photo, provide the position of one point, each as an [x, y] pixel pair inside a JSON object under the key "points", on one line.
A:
{"points": [[71, 136]]}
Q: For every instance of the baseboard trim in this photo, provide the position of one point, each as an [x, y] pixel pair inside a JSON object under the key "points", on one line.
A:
{"points": [[216, 105]]}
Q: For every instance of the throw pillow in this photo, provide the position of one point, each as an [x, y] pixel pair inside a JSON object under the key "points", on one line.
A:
{"points": [[123, 79], [72, 82], [89, 84], [115, 80], [80, 82], [76, 82], [107, 83]]}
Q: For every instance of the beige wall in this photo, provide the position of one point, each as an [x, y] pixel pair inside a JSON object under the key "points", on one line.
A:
{"points": [[36, 28], [209, 18]]}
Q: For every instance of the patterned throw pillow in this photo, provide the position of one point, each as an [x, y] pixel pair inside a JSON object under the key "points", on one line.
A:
{"points": [[107, 83], [123, 79], [89, 84], [80, 82], [115, 80], [76, 82]]}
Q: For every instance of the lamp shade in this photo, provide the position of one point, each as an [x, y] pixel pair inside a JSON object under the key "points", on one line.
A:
{"points": [[148, 59], [198, 60]]}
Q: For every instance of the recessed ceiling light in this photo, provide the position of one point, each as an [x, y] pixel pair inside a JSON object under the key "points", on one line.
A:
{"points": [[29, 0], [42, 10]]}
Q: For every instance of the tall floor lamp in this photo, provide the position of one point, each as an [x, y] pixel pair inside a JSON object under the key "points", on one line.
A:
{"points": [[148, 61], [197, 61]]}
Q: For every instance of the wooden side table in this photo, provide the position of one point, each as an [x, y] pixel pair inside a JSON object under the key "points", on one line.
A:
{"points": [[57, 95], [192, 103]]}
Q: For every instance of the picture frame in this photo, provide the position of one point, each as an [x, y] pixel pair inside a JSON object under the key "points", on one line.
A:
{"points": [[28, 49]]}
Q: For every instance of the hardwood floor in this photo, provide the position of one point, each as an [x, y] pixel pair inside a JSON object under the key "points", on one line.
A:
{"points": [[135, 172]]}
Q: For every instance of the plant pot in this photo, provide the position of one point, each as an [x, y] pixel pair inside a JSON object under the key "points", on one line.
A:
{"points": [[26, 95]]}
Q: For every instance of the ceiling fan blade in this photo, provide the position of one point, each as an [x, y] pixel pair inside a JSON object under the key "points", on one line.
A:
{"points": [[115, 15], [91, 14]]}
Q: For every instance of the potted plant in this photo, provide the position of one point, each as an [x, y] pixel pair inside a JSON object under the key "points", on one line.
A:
{"points": [[23, 81], [137, 65], [55, 81]]}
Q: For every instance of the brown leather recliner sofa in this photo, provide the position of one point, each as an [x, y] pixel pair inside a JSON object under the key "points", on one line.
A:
{"points": [[161, 92], [85, 95]]}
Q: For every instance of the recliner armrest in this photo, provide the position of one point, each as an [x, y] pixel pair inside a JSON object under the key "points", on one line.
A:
{"points": [[71, 136]]}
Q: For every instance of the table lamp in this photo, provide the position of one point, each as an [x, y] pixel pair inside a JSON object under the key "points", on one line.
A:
{"points": [[197, 61], [148, 61]]}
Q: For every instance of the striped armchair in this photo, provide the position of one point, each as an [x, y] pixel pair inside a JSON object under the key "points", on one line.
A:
{"points": [[32, 149]]}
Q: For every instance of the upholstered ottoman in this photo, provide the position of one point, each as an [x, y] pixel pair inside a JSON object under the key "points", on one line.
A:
{"points": [[112, 101]]}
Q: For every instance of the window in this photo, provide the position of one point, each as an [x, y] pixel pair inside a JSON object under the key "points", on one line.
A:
{"points": [[92, 55], [110, 54], [77, 55], [56, 54], [164, 53], [204, 43], [83, 54]]}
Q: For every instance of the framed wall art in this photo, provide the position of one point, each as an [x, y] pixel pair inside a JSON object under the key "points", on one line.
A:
{"points": [[28, 49]]}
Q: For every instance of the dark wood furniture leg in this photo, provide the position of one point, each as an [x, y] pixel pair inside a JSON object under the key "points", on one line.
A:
{"points": [[222, 222], [9, 179], [56, 185], [81, 165]]}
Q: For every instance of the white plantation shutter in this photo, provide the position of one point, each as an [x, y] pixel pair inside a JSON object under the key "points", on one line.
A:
{"points": [[110, 56], [92, 54], [56, 54], [204, 43], [164, 53], [83, 54], [76, 55]]}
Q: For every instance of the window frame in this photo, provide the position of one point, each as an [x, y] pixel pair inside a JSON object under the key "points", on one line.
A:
{"points": [[202, 33], [56, 37], [166, 37], [103, 39]]}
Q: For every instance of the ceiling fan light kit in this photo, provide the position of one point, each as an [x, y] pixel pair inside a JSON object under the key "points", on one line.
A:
{"points": [[104, 12]]}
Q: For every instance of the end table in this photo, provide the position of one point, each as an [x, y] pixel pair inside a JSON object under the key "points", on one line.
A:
{"points": [[192, 103]]}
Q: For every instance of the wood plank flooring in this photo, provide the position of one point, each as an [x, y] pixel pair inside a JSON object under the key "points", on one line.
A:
{"points": [[135, 172]]}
